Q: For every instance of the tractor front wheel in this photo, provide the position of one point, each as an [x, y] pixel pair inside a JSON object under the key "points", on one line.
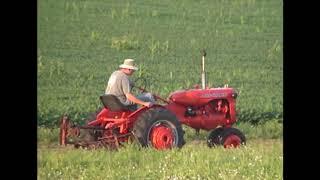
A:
{"points": [[214, 137], [158, 128], [232, 137]]}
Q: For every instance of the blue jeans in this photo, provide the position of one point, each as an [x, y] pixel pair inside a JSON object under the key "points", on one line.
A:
{"points": [[147, 97]]}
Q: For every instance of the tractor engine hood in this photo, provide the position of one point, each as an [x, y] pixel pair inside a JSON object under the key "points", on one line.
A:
{"points": [[199, 97]]}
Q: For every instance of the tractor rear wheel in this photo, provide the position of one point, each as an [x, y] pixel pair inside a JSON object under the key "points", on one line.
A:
{"points": [[214, 137], [158, 128], [232, 137]]}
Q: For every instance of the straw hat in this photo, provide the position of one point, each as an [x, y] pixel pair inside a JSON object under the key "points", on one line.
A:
{"points": [[128, 64]]}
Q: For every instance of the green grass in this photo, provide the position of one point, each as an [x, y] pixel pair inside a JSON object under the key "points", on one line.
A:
{"points": [[257, 160], [261, 158], [80, 43]]}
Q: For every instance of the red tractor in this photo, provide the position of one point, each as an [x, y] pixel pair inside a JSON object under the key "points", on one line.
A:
{"points": [[211, 109]]}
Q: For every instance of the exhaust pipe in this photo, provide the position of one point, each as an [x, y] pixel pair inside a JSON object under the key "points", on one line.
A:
{"points": [[203, 74]]}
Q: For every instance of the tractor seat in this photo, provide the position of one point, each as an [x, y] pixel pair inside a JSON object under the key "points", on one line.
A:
{"points": [[112, 103]]}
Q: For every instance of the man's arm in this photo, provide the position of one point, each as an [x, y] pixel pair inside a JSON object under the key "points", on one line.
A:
{"points": [[132, 98], [126, 90]]}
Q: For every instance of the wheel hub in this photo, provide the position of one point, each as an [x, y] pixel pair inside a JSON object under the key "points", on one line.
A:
{"points": [[232, 141], [162, 137]]}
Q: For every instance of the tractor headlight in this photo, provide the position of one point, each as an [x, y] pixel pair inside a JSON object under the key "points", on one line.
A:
{"points": [[234, 95]]}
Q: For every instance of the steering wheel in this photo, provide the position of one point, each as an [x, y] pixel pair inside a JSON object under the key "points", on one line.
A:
{"points": [[139, 83]]}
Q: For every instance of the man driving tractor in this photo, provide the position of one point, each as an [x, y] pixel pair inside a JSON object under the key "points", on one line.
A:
{"points": [[120, 85], [160, 127]]}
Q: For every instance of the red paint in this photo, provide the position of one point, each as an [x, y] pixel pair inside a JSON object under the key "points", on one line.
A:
{"points": [[232, 141], [161, 137], [212, 107]]}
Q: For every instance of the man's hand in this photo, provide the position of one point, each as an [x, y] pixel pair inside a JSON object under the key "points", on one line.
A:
{"points": [[148, 104]]}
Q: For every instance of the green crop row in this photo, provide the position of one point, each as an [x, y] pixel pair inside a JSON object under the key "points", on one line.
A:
{"points": [[80, 43]]}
